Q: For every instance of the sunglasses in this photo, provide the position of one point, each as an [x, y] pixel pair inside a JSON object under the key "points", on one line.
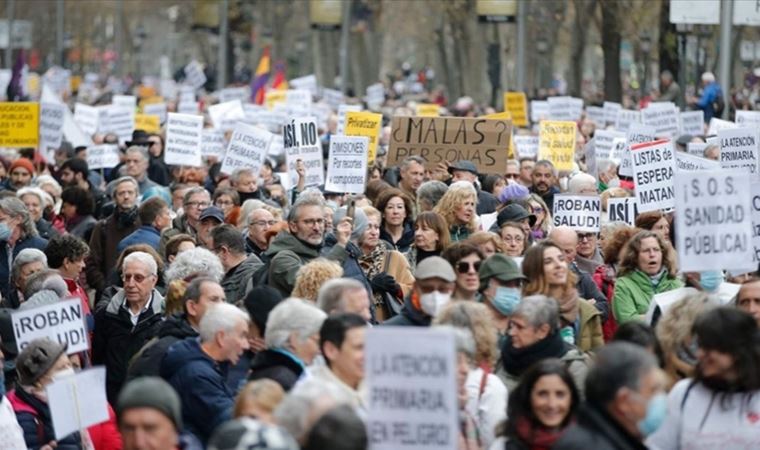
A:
{"points": [[511, 176], [586, 236], [464, 267]]}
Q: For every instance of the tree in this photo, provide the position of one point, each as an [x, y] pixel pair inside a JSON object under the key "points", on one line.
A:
{"points": [[612, 11], [584, 12]]}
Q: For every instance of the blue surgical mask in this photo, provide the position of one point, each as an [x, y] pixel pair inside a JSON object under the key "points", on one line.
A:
{"points": [[5, 232], [657, 409], [506, 299], [710, 280]]}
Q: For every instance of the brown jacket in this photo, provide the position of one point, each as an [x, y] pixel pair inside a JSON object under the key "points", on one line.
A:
{"points": [[591, 336]]}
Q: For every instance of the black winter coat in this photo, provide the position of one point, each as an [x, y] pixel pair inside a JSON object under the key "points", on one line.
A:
{"points": [[33, 415], [277, 367], [596, 430], [148, 361], [409, 317]]}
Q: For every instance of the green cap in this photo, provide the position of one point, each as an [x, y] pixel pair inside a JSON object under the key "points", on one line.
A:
{"points": [[501, 267]]}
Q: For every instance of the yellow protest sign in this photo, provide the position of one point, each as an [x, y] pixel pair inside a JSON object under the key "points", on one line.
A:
{"points": [[427, 110], [517, 105], [152, 100], [74, 82], [365, 124], [499, 116], [144, 91], [556, 142], [273, 97], [147, 122], [19, 124]]}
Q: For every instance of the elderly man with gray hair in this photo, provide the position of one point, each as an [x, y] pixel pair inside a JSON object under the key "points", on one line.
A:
{"points": [[136, 162], [192, 367], [28, 262], [344, 295], [292, 340], [17, 232], [130, 319]]}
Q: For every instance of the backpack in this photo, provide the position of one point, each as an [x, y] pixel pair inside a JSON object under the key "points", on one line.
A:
{"points": [[718, 105]]}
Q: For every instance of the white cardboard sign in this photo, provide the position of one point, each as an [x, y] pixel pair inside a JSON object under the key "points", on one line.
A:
{"points": [[636, 135], [342, 110], [194, 75], [603, 142], [693, 122], [626, 118], [104, 156], [622, 210], [746, 119], [121, 121], [212, 143], [347, 164], [653, 169], [248, 147], [579, 212], [539, 110], [687, 162], [61, 322], [51, 126], [527, 146], [611, 111], [714, 220], [755, 203], [87, 118], [739, 149], [183, 140], [597, 115], [663, 118], [308, 82], [225, 115], [78, 402], [696, 148], [411, 362], [301, 141], [156, 109]]}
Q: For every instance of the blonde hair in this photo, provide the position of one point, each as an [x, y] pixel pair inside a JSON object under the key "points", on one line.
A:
{"points": [[675, 325], [312, 276], [476, 318], [484, 237], [455, 196], [265, 394]]}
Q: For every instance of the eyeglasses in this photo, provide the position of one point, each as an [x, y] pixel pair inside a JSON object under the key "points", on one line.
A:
{"points": [[511, 176], [264, 223], [224, 202], [514, 239], [586, 236], [312, 222], [197, 204], [538, 210], [138, 277], [464, 266]]}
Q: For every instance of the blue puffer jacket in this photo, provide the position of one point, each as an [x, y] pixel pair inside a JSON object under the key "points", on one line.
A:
{"points": [[200, 382], [33, 416]]}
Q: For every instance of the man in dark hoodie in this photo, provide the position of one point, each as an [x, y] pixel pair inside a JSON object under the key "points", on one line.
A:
{"points": [[433, 285], [200, 295], [197, 368], [544, 177], [229, 245]]}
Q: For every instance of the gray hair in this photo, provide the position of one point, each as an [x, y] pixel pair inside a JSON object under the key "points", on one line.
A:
{"points": [[46, 280], [294, 412], [37, 192], [330, 297], [617, 365], [111, 188], [463, 340], [142, 150], [220, 317], [144, 259], [27, 256], [193, 191], [235, 176], [193, 261], [431, 193], [604, 165], [547, 163], [248, 207], [304, 201], [292, 315], [16, 208], [538, 310], [45, 180], [409, 160]]}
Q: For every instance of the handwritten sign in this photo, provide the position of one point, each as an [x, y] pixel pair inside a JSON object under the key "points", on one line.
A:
{"points": [[183, 140], [517, 105], [104, 156], [62, 322], [365, 124], [347, 164], [301, 142], [557, 143], [51, 126], [527, 146], [692, 122], [437, 139], [212, 143], [653, 169], [685, 161], [19, 124], [248, 147]]}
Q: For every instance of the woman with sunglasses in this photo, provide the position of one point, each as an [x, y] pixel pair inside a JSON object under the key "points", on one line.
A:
{"points": [[543, 224], [465, 259]]}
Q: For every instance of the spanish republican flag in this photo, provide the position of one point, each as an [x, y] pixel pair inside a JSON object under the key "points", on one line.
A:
{"points": [[260, 78], [280, 81]]}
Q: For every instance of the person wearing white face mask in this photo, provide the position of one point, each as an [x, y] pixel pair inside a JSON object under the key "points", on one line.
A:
{"points": [[431, 292]]}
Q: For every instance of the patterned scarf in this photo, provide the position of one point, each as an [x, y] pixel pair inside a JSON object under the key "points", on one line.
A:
{"points": [[372, 264]]}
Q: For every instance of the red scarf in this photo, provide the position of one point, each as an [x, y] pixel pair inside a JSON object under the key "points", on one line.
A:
{"points": [[537, 438]]}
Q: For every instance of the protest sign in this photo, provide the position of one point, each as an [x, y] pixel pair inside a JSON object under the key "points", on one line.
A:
{"points": [[277, 148], [626, 118], [636, 134], [225, 115], [212, 143], [194, 75], [230, 94], [611, 111], [156, 109], [596, 115], [301, 142], [589, 149], [247, 148], [517, 105], [186, 94], [308, 83], [183, 140], [51, 126], [739, 149], [692, 122], [604, 142], [662, 302], [147, 122], [269, 119], [556, 142], [560, 108], [755, 204], [298, 96], [539, 110], [104, 156], [438, 139], [78, 401], [622, 210], [61, 322], [746, 119], [402, 367], [713, 220], [104, 118], [375, 96], [526, 146], [192, 108], [274, 96], [365, 124], [579, 212], [427, 110], [696, 148], [19, 124], [719, 124], [125, 101], [663, 117], [347, 164], [685, 161], [121, 122], [332, 97], [653, 169]]}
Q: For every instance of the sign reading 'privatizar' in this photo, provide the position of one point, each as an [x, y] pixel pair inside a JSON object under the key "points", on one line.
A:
{"points": [[653, 170], [485, 142]]}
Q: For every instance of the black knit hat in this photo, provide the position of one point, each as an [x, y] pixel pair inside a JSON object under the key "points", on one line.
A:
{"points": [[36, 359], [259, 303], [151, 392]]}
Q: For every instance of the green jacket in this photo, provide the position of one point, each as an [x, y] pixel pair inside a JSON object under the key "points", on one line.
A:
{"points": [[287, 254], [634, 293]]}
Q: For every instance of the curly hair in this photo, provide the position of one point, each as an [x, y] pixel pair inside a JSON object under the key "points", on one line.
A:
{"points": [[80, 198], [458, 193], [65, 246], [614, 244], [485, 237], [175, 293], [478, 319], [312, 276], [194, 261], [533, 269], [387, 195], [629, 257]]}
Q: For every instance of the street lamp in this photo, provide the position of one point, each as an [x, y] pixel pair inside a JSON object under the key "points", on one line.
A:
{"points": [[137, 40], [645, 44], [542, 47]]}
